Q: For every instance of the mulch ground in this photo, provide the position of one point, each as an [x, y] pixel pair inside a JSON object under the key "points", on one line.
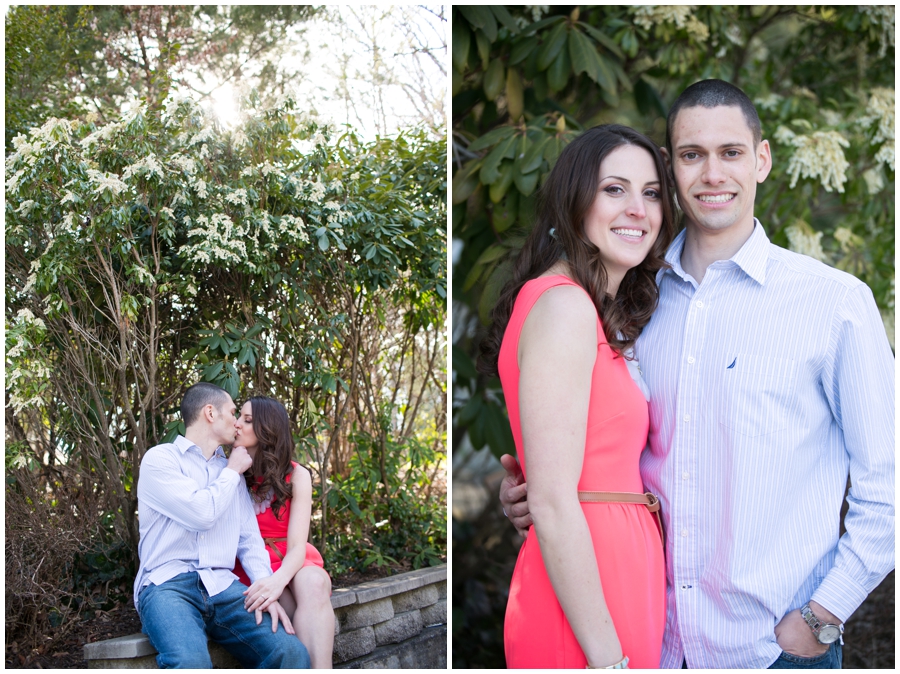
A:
{"points": [[68, 651]]}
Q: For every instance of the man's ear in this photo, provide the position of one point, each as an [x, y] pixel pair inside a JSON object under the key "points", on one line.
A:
{"points": [[665, 153], [763, 161], [209, 412]]}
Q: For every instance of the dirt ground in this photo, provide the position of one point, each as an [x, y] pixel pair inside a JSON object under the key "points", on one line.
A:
{"points": [[68, 652]]}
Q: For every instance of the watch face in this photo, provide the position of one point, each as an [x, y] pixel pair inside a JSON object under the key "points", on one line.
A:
{"points": [[829, 634]]}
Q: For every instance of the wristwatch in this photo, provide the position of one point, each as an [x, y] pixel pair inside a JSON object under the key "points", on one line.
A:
{"points": [[826, 633]]}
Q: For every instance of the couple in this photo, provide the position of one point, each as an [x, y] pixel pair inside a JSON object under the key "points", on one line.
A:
{"points": [[199, 520], [768, 380]]}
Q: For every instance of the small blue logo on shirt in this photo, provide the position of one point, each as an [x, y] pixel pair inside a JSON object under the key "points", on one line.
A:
{"points": [[731, 367]]}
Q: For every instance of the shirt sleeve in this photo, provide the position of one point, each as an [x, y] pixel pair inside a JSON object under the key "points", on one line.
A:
{"points": [[859, 383], [251, 548], [164, 487]]}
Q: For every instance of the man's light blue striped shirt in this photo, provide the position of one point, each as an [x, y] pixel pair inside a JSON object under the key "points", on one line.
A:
{"points": [[195, 515], [769, 381]]}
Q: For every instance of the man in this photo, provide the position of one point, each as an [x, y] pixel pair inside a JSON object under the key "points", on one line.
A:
{"points": [[196, 517], [770, 378]]}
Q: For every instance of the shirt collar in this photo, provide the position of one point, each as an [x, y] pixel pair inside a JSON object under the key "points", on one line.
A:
{"points": [[751, 257], [183, 444]]}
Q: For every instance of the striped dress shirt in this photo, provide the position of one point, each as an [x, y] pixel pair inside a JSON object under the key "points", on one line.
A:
{"points": [[770, 380], [195, 515]]}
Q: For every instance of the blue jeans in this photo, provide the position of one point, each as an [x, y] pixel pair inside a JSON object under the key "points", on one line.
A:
{"points": [[179, 616], [830, 659]]}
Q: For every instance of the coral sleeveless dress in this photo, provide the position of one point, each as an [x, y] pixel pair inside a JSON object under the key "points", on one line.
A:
{"points": [[625, 536], [273, 528]]}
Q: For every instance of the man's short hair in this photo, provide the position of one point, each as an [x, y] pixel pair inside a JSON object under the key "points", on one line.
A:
{"points": [[199, 396], [712, 94]]}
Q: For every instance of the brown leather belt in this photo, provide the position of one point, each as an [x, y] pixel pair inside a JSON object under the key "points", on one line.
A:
{"points": [[647, 499], [270, 542]]}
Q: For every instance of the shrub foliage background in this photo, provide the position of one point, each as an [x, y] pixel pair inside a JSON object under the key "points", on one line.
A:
{"points": [[527, 79], [281, 259]]}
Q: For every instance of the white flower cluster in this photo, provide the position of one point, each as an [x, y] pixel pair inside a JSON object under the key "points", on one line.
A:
{"points": [[25, 207], [882, 16], [317, 190], [681, 15], [146, 166], [237, 197], [802, 239], [769, 102], [848, 239], [818, 155], [142, 275], [880, 109], [103, 133], [874, 180], [106, 181], [186, 164], [199, 186], [221, 240], [293, 227]]}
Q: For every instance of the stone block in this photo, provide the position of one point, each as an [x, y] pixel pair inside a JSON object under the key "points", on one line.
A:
{"points": [[436, 614], [388, 587], [401, 626], [419, 598], [343, 596], [132, 646], [354, 644], [360, 615], [426, 650], [442, 589]]}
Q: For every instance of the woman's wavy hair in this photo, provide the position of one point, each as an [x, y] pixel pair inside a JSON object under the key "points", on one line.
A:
{"points": [[558, 233], [273, 454]]}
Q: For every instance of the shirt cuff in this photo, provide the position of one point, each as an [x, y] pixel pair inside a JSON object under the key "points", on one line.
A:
{"points": [[840, 594], [228, 472]]}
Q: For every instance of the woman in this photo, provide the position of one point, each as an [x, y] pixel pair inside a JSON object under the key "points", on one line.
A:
{"points": [[589, 587], [282, 496]]}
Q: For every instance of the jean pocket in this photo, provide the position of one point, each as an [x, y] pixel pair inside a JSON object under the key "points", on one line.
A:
{"points": [[757, 394], [824, 661]]}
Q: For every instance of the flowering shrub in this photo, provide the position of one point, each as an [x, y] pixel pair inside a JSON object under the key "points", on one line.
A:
{"points": [[157, 249]]}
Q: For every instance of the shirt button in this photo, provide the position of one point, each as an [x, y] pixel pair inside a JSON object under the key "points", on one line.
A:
{"points": [[699, 304], [684, 533], [684, 475], [687, 417], [691, 360]]}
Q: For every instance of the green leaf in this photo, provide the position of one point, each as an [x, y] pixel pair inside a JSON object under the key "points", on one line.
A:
{"points": [[493, 79], [461, 40], [480, 17], [532, 28], [558, 72], [535, 156], [603, 39], [491, 138], [522, 49], [499, 187], [323, 242], [489, 172], [527, 182], [552, 46], [504, 17]]}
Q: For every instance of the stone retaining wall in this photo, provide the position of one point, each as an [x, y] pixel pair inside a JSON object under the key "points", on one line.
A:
{"points": [[395, 622]]}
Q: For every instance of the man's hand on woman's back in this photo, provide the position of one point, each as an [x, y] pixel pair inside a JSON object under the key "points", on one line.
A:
{"points": [[513, 495]]}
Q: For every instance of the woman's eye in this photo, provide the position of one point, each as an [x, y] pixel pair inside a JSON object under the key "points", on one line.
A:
{"points": [[614, 189], [652, 194]]}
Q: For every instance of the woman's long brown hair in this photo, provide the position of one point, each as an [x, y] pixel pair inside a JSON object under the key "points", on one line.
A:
{"points": [[563, 202], [273, 453]]}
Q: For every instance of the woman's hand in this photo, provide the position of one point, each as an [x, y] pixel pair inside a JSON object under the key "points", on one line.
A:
{"points": [[263, 593]]}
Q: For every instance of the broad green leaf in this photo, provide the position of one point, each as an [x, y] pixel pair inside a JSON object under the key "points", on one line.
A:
{"points": [[527, 182], [522, 49], [480, 17], [489, 172], [603, 39], [461, 40], [514, 95], [491, 138], [535, 156], [559, 70], [499, 187], [493, 79], [504, 17], [553, 45]]}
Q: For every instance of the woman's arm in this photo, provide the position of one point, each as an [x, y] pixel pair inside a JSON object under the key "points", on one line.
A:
{"points": [[557, 352], [298, 533]]}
